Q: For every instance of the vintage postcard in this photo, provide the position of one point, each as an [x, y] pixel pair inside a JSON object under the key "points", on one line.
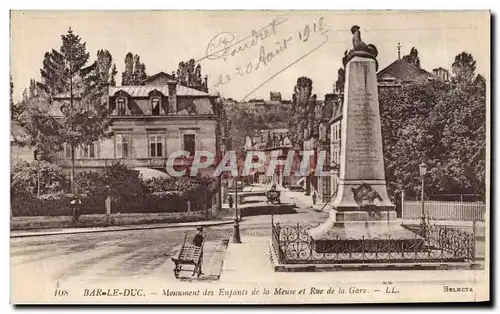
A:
{"points": [[250, 157]]}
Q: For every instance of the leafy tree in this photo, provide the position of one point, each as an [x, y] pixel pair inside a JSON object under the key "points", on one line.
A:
{"points": [[129, 69], [65, 73], [139, 73], [441, 124], [37, 176], [412, 57], [135, 71], [464, 67], [340, 83], [106, 69], [300, 124]]}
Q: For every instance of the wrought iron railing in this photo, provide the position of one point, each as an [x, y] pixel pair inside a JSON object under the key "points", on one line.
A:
{"points": [[293, 245]]}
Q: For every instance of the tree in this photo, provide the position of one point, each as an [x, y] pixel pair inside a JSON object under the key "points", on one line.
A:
{"points": [[129, 69], [139, 73], [441, 124], [412, 57], [340, 83], [135, 71], [106, 69], [84, 116], [464, 67], [114, 71], [300, 127]]}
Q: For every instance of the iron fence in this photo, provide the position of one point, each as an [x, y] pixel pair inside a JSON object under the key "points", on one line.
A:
{"points": [[293, 245]]}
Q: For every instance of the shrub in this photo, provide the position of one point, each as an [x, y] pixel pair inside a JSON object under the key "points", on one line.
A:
{"points": [[166, 202], [125, 186], [55, 204], [25, 176], [199, 190]]}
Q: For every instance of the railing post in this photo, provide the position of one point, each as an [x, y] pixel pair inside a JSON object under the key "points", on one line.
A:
{"points": [[278, 237], [473, 255]]}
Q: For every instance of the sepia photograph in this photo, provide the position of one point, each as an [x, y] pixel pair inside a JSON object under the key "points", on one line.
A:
{"points": [[249, 157]]}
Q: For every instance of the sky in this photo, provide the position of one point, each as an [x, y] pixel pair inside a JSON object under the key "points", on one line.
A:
{"points": [[266, 50]]}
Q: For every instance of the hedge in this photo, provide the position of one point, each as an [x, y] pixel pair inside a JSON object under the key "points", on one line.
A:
{"points": [[129, 194]]}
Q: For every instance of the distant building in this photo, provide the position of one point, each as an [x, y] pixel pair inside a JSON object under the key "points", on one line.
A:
{"points": [[275, 105], [400, 73], [442, 74], [18, 152]]}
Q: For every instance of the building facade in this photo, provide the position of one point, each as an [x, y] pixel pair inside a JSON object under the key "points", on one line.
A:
{"points": [[150, 122]]}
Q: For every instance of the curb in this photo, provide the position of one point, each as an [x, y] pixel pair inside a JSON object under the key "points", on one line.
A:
{"points": [[108, 229]]}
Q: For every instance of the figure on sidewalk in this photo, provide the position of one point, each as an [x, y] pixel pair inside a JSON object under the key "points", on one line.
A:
{"points": [[198, 238], [76, 204]]}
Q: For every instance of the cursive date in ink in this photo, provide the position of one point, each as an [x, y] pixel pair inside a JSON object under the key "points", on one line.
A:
{"points": [[224, 46]]}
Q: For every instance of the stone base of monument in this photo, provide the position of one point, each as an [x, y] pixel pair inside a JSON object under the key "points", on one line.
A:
{"points": [[362, 231], [359, 237], [363, 215]]}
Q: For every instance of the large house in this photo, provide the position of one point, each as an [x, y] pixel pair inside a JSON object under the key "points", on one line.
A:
{"points": [[149, 122]]}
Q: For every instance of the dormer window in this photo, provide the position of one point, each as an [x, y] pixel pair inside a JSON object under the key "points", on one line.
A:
{"points": [[121, 106], [155, 106]]}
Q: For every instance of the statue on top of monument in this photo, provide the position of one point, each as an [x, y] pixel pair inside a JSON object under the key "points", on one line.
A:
{"points": [[359, 47]]}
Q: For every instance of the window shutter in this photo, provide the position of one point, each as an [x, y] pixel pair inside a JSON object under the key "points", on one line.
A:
{"points": [[118, 147]]}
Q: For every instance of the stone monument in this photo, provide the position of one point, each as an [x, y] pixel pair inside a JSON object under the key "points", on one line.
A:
{"points": [[362, 208]]}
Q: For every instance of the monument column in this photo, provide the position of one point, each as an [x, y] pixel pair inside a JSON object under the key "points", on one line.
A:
{"points": [[362, 211], [362, 184]]}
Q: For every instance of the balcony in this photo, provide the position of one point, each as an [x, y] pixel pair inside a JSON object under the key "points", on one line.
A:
{"points": [[130, 162], [105, 162]]}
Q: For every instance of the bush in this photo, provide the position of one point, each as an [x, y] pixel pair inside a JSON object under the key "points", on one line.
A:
{"points": [[26, 204], [25, 176], [199, 190], [166, 202], [125, 186]]}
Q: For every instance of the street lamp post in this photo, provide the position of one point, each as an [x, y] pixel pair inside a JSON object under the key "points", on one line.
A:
{"points": [[236, 231], [423, 171]]}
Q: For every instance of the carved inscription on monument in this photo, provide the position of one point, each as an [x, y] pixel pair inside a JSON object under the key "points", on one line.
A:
{"points": [[364, 149]]}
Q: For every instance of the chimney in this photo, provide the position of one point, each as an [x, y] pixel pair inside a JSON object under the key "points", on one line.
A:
{"points": [[172, 97]]}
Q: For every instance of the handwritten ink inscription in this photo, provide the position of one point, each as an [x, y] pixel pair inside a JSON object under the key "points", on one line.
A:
{"points": [[364, 150], [265, 46]]}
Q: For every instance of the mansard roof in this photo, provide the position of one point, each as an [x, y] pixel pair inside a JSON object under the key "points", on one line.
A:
{"points": [[402, 71], [144, 90]]}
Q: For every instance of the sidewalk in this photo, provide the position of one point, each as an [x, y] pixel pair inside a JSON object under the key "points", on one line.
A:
{"points": [[61, 231]]}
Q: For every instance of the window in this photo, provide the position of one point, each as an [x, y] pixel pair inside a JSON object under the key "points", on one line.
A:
{"points": [[84, 152], [155, 106], [121, 104], [67, 150], [189, 143], [88, 151], [155, 146], [122, 146]]}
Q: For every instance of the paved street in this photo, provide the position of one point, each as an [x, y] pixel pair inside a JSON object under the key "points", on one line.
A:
{"points": [[130, 254]]}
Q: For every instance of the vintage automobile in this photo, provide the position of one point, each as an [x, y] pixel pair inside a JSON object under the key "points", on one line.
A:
{"points": [[273, 196]]}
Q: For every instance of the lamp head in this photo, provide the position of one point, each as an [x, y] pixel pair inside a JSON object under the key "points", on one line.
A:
{"points": [[423, 169]]}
